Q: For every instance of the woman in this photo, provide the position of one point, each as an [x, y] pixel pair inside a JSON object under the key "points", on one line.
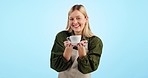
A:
{"points": [[76, 61]]}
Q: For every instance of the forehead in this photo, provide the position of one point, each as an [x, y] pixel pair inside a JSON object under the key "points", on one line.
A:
{"points": [[76, 13]]}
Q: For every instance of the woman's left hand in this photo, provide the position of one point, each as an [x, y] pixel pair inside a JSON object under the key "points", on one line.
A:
{"points": [[81, 48]]}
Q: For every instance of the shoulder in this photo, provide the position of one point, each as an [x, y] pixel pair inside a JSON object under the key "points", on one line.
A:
{"points": [[95, 40], [62, 33]]}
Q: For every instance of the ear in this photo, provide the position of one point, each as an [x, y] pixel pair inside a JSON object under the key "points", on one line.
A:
{"points": [[86, 19]]}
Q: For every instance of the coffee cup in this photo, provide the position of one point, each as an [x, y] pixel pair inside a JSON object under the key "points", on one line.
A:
{"points": [[75, 39]]}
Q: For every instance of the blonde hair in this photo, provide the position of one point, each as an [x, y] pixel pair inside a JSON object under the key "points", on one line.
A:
{"points": [[86, 30]]}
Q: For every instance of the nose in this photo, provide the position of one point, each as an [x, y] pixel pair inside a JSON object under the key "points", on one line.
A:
{"points": [[75, 21]]}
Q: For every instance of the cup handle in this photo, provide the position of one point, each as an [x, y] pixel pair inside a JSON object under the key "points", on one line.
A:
{"points": [[68, 39]]}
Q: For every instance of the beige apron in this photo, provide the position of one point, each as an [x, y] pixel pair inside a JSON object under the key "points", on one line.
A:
{"points": [[73, 71]]}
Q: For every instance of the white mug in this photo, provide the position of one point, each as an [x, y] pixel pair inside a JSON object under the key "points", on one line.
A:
{"points": [[75, 39]]}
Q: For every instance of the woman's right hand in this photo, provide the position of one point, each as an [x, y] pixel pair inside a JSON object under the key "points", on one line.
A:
{"points": [[67, 43], [68, 50]]}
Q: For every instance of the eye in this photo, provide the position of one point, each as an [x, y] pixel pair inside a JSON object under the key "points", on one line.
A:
{"points": [[78, 18], [71, 19]]}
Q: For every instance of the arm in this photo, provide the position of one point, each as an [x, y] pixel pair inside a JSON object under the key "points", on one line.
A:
{"points": [[57, 60], [90, 61]]}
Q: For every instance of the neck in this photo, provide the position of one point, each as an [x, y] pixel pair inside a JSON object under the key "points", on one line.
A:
{"points": [[78, 33]]}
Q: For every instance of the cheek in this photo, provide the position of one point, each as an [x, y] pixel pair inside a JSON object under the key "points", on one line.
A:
{"points": [[82, 23], [82, 27], [69, 23]]}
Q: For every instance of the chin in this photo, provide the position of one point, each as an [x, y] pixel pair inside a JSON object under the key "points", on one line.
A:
{"points": [[77, 30]]}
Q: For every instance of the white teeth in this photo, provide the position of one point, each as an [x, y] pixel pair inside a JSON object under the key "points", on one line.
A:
{"points": [[75, 25]]}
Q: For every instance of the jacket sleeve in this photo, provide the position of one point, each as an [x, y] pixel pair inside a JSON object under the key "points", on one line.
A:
{"points": [[90, 62], [57, 61]]}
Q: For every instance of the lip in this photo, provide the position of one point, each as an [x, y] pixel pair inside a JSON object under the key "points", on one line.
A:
{"points": [[76, 26]]}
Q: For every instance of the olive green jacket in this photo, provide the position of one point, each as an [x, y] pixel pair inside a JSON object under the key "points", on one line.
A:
{"points": [[87, 64]]}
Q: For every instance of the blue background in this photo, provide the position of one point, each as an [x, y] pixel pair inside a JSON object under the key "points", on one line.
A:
{"points": [[28, 29]]}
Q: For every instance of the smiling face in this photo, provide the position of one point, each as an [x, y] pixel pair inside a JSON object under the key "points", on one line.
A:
{"points": [[77, 22]]}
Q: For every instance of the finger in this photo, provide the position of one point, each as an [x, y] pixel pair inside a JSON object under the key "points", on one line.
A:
{"points": [[66, 45], [82, 43], [78, 44], [65, 42], [70, 45], [85, 42]]}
